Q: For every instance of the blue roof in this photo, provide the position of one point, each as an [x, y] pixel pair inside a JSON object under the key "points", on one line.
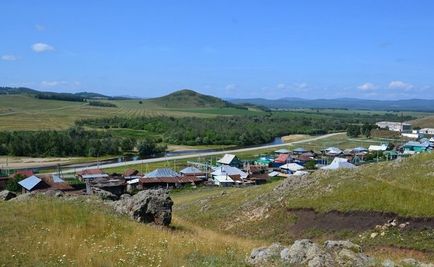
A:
{"points": [[300, 149], [163, 172], [30, 182]]}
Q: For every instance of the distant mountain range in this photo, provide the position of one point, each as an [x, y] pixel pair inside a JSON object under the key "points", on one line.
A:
{"points": [[341, 103], [190, 99], [54, 95]]}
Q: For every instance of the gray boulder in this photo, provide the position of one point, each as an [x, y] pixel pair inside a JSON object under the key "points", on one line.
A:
{"points": [[5, 195], [349, 258], [104, 195], [54, 193], [306, 252], [263, 255], [148, 206], [341, 244]]}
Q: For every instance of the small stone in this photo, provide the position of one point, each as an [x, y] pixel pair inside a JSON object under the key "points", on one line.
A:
{"points": [[373, 235]]}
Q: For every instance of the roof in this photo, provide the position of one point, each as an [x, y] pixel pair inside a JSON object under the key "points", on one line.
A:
{"points": [[94, 176], [169, 180], [90, 172], [131, 172], [333, 150], [133, 181], [292, 167], [228, 170], [191, 170], [299, 150], [273, 174], [416, 144], [339, 163], [57, 179], [282, 151], [382, 147], [163, 172], [360, 149], [227, 159], [282, 158], [25, 173], [223, 179], [30, 182]]}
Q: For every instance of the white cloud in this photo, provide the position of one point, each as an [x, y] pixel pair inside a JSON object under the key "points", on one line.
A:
{"points": [[367, 87], [42, 47], [400, 85], [60, 83], [8, 58], [230, 87], [299, 87], [39, 27]]}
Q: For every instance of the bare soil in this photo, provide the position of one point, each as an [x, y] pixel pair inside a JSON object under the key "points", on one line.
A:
{"points": [[357, 221]]}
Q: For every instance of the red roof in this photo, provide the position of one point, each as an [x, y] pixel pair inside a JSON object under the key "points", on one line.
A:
{"points": [[282, 158], [25, 173]]}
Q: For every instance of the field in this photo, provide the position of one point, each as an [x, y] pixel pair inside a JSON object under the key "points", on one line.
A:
{"points": [[424, 122], [22, 112]]}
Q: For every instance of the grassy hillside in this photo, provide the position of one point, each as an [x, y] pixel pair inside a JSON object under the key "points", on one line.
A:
{"points": [[47, 232], [190, 99], [425, 122], [361, 199]]}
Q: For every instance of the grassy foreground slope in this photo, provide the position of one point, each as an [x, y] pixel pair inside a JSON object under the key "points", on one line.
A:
{"points": [[270, 212], [47, 232]]}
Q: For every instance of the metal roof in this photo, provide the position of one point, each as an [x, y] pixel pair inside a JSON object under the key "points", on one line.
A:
{"points": [[223, 179], [190, 170], [94, 176], [282, 151], [299, 150], [228, 170], [163, 172], [339, 163], [292, 167], [30, 182], [57, 179], [227, 159]]}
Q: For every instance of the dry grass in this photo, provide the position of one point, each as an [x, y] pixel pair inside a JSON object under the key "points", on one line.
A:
{"points": [[47, 232]]}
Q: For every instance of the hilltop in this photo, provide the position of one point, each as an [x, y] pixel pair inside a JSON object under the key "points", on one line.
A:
{"points": [[190, 99]]}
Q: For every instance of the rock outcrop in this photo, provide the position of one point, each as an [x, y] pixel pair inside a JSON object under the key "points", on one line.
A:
{"points": [[148, 206], [104, 195], [307, 253], [5, 195]]}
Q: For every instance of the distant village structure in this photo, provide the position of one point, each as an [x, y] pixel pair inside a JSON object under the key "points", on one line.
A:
{"points": [[395, 126]]}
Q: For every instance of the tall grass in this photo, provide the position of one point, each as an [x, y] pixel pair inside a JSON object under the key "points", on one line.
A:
{"points": [[47, 232]]}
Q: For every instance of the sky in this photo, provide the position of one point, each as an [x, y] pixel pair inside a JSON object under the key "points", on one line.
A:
{"points": [[231, 49]]}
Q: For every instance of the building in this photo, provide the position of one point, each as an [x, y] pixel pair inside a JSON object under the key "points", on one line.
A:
{"points": [[338, 163], [223, 180], [231, 160], [395, 126], [166, 178], [193, 171], [375, 148], [292, 167], [90, 174], [429, 131]]}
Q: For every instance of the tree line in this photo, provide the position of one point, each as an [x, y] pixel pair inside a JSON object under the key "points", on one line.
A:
{"points": [[73, 142]]}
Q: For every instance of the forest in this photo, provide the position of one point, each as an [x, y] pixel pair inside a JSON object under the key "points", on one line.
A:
{"points": [[234, 130], [73, 142]]}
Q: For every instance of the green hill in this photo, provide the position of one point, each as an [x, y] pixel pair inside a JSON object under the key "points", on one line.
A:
{"points": [[191, 99]]}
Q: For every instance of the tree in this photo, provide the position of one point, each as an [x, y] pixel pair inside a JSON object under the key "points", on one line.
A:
{"points": [[353, 130], [128, 144], [148, 147], [12, 184]]}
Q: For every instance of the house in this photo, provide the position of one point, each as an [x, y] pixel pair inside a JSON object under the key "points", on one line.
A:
{"points": [[416, 147], [231, 160], [264, 161], [360, 150], [291, 167], [282, 159], [339, 163], [90, 174], [394, 126], [332, 151], [223, 180], [56, 182], [429, 131], [411, 135], [193, 171], [23, 173], [166, 178], [230, 171], [375, 148], [44, 182]]}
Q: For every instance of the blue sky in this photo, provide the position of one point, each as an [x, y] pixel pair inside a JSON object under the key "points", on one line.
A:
{"points": [[272, 49]]}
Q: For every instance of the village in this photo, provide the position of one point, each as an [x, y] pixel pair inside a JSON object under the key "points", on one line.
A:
{"points": [[229, 170]]}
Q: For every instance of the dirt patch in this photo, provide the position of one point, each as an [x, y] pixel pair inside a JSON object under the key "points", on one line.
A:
{"points": [[294, 137], [356, 221]]}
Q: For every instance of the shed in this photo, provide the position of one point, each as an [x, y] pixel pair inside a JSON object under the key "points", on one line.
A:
{"points": [[223, 180], [339, 163], [230, 159], [30, 183]]}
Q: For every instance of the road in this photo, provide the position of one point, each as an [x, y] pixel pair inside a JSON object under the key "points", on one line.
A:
{"points": [[234, 151]]}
